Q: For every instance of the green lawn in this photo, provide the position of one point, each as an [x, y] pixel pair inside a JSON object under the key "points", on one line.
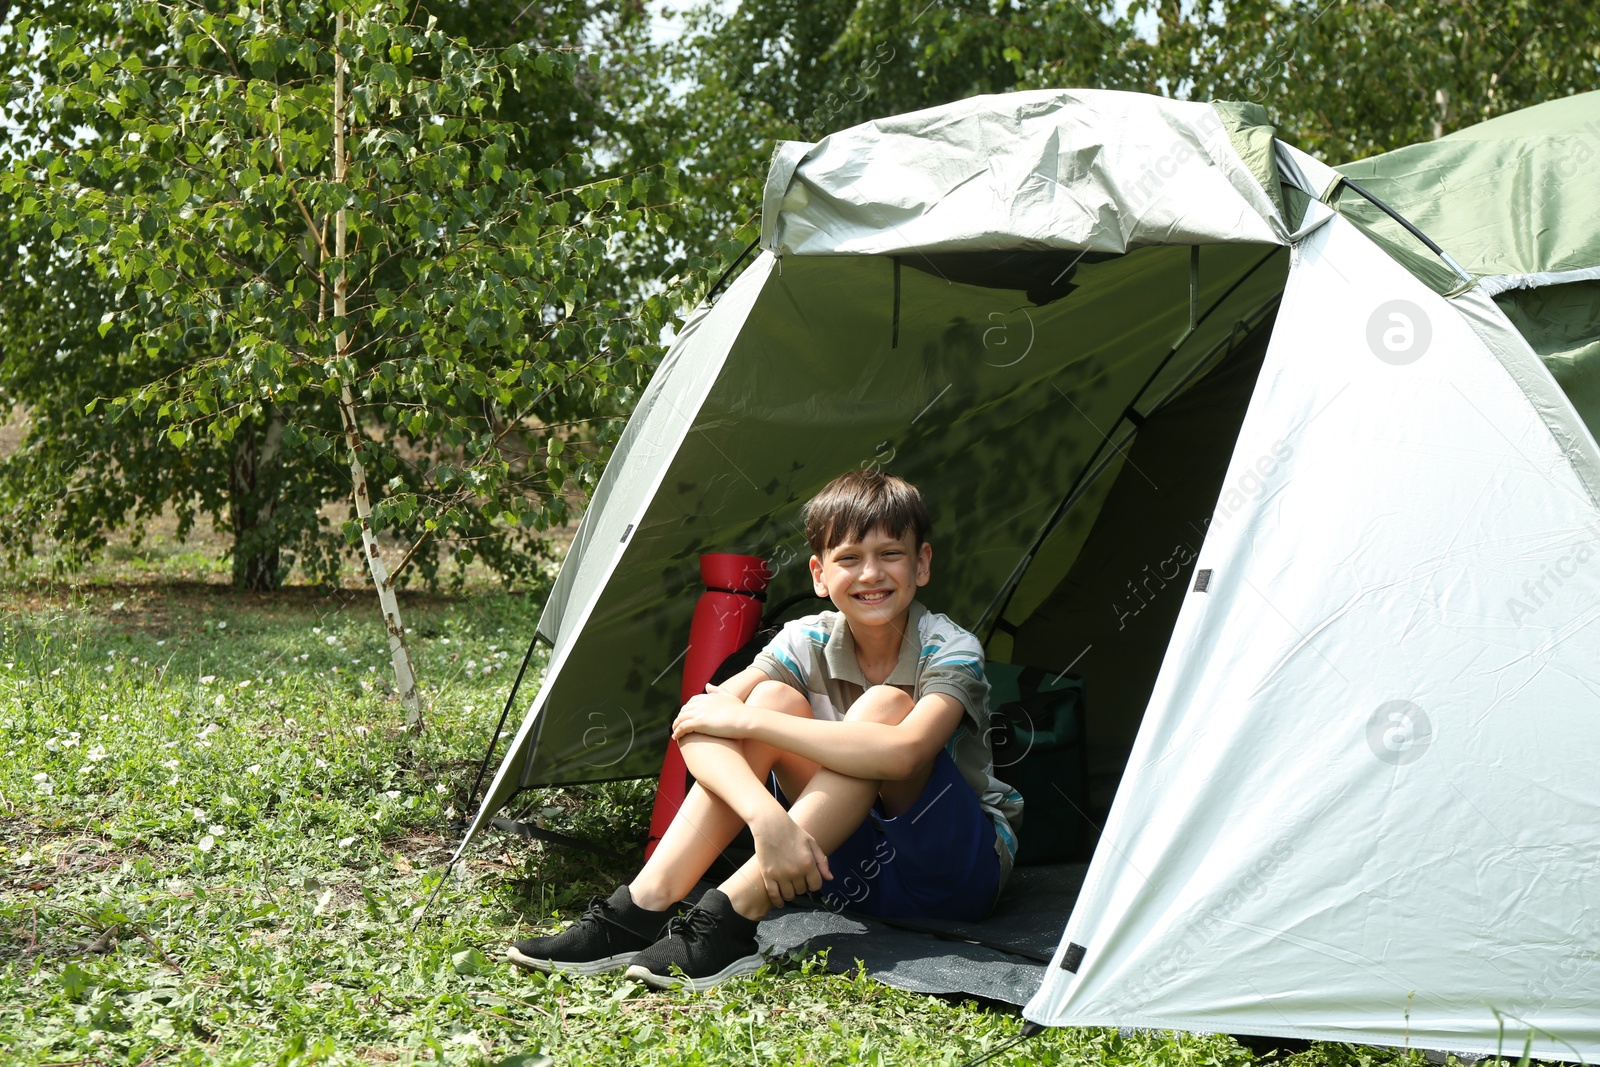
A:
{"points": [[214, 838]]}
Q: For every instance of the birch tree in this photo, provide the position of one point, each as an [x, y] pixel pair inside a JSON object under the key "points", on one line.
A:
{"points": [[310, 222]]}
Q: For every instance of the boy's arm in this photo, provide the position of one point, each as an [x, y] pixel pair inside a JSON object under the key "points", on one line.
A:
{"points": [[858, 749], [723, 770], [791, 862]]}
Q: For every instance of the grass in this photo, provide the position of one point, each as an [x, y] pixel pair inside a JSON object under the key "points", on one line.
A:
{"points": [[213, 837]]}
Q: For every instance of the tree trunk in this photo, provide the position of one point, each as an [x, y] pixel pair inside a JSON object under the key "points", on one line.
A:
{"points": [[252, 506], [399, 655]]}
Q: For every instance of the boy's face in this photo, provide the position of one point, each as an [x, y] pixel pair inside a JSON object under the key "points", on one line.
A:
{"points": [[873, 581]]}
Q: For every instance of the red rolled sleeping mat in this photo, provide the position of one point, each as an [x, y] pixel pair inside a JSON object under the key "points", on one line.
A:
{"points": [[726, 617]]}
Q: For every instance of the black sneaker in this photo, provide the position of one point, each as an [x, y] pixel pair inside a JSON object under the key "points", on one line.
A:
{"points": [[604, 938], [709, 944]]}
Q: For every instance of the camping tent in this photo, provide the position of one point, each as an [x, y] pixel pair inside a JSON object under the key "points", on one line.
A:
{"points": [[1196, 419]]}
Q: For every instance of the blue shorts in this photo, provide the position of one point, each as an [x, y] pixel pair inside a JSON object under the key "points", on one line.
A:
{"points": [[935, 861]]}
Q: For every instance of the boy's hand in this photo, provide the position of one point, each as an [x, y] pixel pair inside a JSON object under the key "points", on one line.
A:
{"points": [[715, 713], [790, 860]]}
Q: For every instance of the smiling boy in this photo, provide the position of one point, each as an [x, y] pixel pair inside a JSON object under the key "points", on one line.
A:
{"points": [[873, 718]]}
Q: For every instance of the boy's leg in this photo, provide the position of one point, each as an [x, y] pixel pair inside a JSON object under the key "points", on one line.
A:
{"points": [[832, 805], [612, 930], [706, 823], [717, 940]]}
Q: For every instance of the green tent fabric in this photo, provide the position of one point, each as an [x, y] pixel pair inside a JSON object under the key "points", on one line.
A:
{"points": [[1511, 196], [1514, 201]]}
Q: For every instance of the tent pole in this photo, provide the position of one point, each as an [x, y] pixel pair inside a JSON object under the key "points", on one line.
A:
{"points": [[1194, 288], [990, 624], [1466, 279], [472, 797], [716, 287]]}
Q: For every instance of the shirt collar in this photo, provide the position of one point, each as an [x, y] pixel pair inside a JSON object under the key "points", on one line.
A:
{"points": [[840, 652]]}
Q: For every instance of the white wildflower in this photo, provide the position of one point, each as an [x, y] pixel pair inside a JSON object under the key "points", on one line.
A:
{"points": [[97, 753], [172, 765], [222, 625], [254, 768], [392, 794], [207, 679], [346, 842], [217, 829]]}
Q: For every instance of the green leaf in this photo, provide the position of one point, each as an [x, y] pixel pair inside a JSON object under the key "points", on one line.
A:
{"points": [[178, 437], [179, 190], [75, 981], [471, 961]]}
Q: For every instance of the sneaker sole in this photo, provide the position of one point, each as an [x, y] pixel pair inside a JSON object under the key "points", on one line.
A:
{"points": [[547, 966], [746, 965]]}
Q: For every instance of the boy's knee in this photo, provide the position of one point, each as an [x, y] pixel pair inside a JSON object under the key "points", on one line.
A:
{"points": [[777, 696], [885, 704]]}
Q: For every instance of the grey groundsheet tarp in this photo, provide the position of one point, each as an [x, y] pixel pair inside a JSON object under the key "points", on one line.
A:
{"points": [[1003, 958]]}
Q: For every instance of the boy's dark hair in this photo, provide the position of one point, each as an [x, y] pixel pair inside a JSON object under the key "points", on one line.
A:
{"points": [[860, 501]]}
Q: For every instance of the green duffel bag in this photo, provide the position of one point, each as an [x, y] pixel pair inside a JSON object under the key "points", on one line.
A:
{"points": [[1038, 738]]}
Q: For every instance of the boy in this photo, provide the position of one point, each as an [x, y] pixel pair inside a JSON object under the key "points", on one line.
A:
{"points": [[872, 718]]}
